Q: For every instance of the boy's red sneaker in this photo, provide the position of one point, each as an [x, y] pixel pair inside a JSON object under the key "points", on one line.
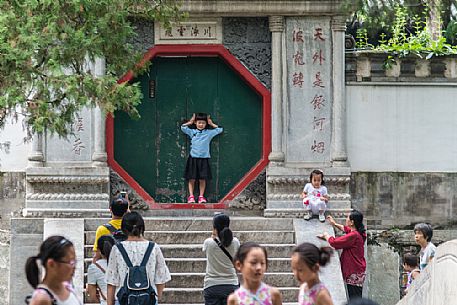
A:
{"points": [[201, 199], [191, 199]]}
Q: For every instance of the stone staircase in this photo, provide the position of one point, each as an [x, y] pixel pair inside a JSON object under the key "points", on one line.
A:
{"points": [[181, 239]]}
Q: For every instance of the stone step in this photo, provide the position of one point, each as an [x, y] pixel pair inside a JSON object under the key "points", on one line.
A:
{"points": [[198, 265], [202, 224], [338, 214], [195, 280], [190, 237], [298, 204], [195, 250], [195, 295]]}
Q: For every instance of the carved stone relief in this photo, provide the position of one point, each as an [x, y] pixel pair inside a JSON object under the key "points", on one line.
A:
{"points": [[253, 196], [117, 184], [249, 40]]}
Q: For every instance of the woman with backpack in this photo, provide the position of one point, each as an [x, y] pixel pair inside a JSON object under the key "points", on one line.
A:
{"points": [[125, 266], [57, 256], [220, 278], [96, 283]]}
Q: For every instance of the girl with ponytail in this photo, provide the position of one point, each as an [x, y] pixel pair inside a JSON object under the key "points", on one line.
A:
{"points": [[57, 257], [306, 262], [220, 278], [353, 264]]}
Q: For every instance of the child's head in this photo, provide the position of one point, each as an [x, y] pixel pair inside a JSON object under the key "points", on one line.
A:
{"points": [[105, 243], [251, 260], [423, 233], [410, 262], [119, 206], [307, 259], [221, 223], [57, 256], [133, 224], [316, 178], [201, 120]]}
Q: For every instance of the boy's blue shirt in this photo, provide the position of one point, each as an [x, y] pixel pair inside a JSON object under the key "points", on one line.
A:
{"points": [[200, 140]]}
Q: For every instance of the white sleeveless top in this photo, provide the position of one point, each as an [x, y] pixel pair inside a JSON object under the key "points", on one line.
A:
{"points": [[71, 300]]}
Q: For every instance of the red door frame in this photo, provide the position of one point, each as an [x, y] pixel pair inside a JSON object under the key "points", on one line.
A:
{"points": [[257, 86]]}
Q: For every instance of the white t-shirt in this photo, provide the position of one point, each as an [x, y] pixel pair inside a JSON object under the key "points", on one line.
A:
{"points": [[117, 268], [219, 268], [313, 192], [97, 277], [426, 254]]}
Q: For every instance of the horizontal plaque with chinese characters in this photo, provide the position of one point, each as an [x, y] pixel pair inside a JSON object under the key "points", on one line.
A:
{"points": [[205, 31], [309, 83]]}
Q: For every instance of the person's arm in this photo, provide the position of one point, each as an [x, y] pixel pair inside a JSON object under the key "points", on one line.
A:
{"points": [[324, 194], [334, 224], [415, 274], [324, 298], [111, 290], [341, 242], [160, 288], [41, 298], [92, 296], [276, 297], [232, 299], [190, 122]]}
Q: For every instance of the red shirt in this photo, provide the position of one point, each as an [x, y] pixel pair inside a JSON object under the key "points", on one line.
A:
{"points": [[353, 256]]}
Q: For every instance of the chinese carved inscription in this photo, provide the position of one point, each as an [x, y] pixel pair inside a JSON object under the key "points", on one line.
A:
{"points": [[308, 45]]}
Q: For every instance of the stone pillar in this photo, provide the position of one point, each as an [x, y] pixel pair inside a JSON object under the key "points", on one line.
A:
{"points": [[99, 156], [277, 28], [339, 154], [36, 157]]}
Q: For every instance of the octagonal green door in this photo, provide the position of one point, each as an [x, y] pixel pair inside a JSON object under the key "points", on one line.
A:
{"points": [[153, 150]]}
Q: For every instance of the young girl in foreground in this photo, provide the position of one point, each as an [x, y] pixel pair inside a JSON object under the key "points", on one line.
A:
{"points": [[57, 256], [306, 262], [251, 260]]}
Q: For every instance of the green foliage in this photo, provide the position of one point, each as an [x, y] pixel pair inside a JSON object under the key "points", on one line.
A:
{"points": [[402, 43], [45, 47]]}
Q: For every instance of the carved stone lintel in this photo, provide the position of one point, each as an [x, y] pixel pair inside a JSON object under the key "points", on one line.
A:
{"points": [[276, 23], [66, 196], [67, 179]]}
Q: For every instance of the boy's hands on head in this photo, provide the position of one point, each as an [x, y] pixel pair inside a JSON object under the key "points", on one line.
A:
{"points": [[192, 119]]}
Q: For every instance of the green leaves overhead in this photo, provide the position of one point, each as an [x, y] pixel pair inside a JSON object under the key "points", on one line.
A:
{"points": [[46, 47]]}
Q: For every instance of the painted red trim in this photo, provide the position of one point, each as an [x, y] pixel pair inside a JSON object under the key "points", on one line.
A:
{"points": [[254, 83]]}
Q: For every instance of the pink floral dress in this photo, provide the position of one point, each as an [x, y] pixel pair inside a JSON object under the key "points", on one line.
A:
{"points": [[261, 297], [308, 296]]}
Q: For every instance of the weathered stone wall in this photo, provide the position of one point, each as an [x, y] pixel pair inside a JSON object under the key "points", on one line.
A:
{"points": [[12, 196], [402, 199]]}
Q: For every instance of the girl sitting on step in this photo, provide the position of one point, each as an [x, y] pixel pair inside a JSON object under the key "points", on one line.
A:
{"points": [[306, 262], [251, 260], [315, 196]]}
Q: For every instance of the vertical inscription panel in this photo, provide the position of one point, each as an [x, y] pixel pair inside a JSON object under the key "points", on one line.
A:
{"points": [[309, 83], [78, 146]]}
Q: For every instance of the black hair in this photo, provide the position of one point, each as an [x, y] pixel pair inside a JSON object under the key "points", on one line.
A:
{"points": [[357, 217], [410, 259], [221, 223], [54, 247], [425, 229], [244, 250], [133, 224], [312, 255], [317, 172], [119, 206], [362, 301], [105, 243], [200, 116]]}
